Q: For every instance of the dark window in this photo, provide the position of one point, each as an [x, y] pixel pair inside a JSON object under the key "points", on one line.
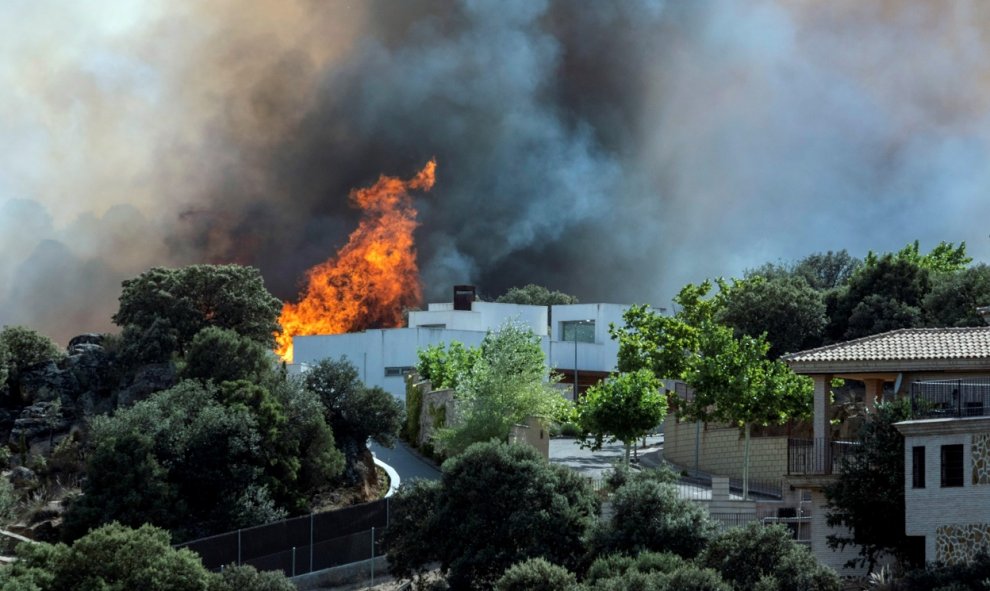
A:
{"points": [[918, 466], [952, 465], [398, 372]]}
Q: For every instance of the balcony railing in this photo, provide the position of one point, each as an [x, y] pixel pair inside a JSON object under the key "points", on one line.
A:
{"points": [[967, 397], [817, 457]]}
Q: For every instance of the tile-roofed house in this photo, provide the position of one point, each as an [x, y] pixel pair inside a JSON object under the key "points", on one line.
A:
{"points": [[908, 349]]}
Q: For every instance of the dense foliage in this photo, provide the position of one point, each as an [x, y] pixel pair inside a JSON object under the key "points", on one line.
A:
{"points": [[116, 558], [786, 311], [497, 505], [535, 295], [536, 574], [766, 558], [199, 459], [22, 348], [222, 355], [868, 497], [445, 364], [506, 384], [181, 302]]}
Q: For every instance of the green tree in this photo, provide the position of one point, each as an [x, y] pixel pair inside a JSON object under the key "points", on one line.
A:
{"points": [[117, 558], [535, 295], [180, 460], [624, 407], [445, 364], [221, 355], [505, 386], [734, 382], [885, 294], [955, 297], [497, 505], [868, 496], [111, 558], [766, 558], [648, 515], [20, 349], [789, 312], [827, 270], [946, 257], [188, 299]]}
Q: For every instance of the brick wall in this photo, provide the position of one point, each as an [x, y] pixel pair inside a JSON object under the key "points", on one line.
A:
{"points": [[722, 450]]}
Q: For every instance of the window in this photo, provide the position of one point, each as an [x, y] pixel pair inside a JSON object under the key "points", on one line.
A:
{"points": [[398, 372], [952, 465], [582, 331], [918, 466]]}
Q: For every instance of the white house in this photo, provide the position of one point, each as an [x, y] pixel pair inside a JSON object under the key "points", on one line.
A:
{"points": [[574, 338]]}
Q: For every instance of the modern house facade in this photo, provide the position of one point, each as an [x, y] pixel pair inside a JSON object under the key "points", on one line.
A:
{"points": [[574, 339]]}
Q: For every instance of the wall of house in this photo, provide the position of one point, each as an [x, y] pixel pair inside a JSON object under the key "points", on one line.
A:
{"points": [[721, 450], [955, 520], [820, 531]]}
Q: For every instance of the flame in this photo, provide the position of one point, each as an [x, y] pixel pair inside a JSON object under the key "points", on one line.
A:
{"points": [[373, 278]]}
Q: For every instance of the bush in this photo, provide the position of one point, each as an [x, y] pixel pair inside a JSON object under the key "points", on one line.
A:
{"points": [[942, 576], [247, 578], [536, 574], [223, 355], [692, 578], [569, 429], [745, 555], [497, 505], [648, 515]]}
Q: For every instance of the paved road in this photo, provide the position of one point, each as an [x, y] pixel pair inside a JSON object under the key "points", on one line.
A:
{"points": [[593, 464], [405, 462]]}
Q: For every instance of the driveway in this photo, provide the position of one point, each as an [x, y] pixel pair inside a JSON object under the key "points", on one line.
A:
{"points": [[593, 464], [405, 462]]}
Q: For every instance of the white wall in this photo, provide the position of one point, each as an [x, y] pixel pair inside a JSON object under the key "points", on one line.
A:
{"points": [[483, 316]]}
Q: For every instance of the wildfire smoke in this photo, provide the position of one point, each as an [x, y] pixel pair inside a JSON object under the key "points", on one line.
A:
{"points": [[374, 277]]}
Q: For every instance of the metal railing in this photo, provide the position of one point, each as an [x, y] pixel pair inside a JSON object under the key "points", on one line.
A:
{"points": [[959, 398], [817, 457]]}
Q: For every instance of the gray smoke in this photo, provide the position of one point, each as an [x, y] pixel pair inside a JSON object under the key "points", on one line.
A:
{"points": [[612, 149]]}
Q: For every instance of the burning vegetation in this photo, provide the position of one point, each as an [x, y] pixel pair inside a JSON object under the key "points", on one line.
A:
{"points": [[373, 278]]}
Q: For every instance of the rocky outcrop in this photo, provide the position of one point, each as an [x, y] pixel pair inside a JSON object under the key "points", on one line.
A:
{"points": [[39, 421], [147, 380]]}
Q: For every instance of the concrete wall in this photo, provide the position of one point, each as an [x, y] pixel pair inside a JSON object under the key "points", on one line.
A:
{"points": [[819, 540], [721, 450], [532, 433], [483, 316]]}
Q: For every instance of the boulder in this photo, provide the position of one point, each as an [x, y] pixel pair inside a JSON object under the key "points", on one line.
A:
{"points": [[22, 477], [40, 420]]}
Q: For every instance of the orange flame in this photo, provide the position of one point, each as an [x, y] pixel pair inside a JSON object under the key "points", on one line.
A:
{"points": [[373, 278]]}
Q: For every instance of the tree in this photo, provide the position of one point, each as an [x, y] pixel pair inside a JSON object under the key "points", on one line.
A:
{"points": [[497, 505], [535, 295], [188, 299], [117, 558], [506, 385], [353, 410], [766, 558], [828, 270], [444, 364], [221, 355], [946, 257], [22, 348], [883, 295], [955, 297], [789, 312], [648, 515], [198, 460], [734, 382], [868, 496], [624, 408]]}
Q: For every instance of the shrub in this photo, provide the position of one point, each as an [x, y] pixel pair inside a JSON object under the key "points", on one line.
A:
{"points": [[246, 578], [536, 574], [648, 515], [745, 555], [942, 576], [692, 578]]}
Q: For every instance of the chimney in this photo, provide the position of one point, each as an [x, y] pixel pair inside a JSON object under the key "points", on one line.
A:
{"points": [[463, 296]]}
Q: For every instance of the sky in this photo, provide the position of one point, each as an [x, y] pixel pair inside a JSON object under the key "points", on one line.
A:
{"points": [[611, 149]]}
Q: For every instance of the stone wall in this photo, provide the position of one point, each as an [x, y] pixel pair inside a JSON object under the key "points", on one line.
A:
{"points": [[439, 410], [721, 450], [961, 542], [980, 451]]}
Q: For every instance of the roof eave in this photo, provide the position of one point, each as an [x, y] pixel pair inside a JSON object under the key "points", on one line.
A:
{"points": [[889, 365]]}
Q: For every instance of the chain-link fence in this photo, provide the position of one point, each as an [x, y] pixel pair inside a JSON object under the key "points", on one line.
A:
{"points": [[302, 544]]}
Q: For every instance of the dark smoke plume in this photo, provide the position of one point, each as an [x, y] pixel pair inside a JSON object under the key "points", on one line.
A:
{"points": [[612, 149]]}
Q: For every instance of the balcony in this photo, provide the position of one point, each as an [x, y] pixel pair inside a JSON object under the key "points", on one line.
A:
{"points": [[817, 457], [944, 399]]}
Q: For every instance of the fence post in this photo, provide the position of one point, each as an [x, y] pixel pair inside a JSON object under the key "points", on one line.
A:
{"points": [[238, 547], [372, 556], [311, 569], [293, 561]]}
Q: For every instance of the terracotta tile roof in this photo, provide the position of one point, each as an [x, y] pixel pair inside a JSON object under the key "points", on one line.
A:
{"points": [[907, 344]]}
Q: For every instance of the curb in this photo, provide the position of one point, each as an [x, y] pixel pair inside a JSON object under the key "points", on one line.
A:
{"points": [[394, 481]]}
